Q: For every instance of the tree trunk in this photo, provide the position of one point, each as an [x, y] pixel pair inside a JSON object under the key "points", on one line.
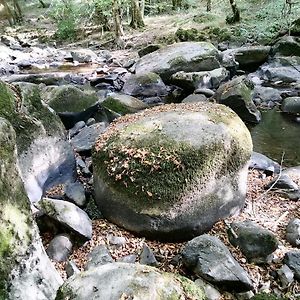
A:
{"points": [[236, 13], [43, 4], [142, 8], [208, 5], [118, 23], [17, 11], [136, 15], [9, 14]]}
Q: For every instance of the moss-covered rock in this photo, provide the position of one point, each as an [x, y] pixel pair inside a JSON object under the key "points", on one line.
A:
{"points": [[68, 98], [23, 262], [173, 171], [116, 280], [185, 56], [123, 104], [237, 94], [44, 157]]}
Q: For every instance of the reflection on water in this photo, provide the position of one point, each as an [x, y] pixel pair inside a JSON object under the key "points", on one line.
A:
{"points": [[277, 133]]}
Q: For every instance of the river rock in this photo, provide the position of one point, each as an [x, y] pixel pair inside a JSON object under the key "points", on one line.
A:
{"points": [[76, 128], [75, 192], [98, 257], [286, 276], [68, 98], [25, 268], [147, 257], [123, 104], [255, 242], [281, 74], [267, 94], [145, 85], [60, 247], [86, 138], [287, 46], [237, 95], [283, 182], [131, 281], [259, 161], [185, 56], [197, 155], [251, 56], [194, 98], [293, 232], [148, 49], [68, 215], [71, 268], [205, 79], [45, 158], [209, 258], [292, 260], [291, 105], [84, 56], [211, 293]]}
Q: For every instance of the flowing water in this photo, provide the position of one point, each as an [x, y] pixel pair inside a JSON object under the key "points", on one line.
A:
{"points": [[276, 135]]}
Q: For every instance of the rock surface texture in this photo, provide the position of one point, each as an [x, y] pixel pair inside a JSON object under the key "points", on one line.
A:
{"points": [[173, 171]]}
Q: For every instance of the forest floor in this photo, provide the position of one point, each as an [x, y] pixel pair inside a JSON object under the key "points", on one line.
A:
{"points": [[268, 209]]}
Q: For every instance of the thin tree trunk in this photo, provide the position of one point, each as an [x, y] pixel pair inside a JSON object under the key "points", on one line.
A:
{"points": [[118, 23], [208, 5], [10, 16], [17, 11], [43, 4], [136, 16], [236, 12], [142, 8]]}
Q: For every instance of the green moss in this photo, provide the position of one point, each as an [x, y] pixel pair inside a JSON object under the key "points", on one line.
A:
{"points": [[5, 242], [116, 106], [191, 290], [71, 99], [148, 78]]}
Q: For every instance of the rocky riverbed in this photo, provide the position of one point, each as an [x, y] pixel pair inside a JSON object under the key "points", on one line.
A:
{"points": [[60, 104]]}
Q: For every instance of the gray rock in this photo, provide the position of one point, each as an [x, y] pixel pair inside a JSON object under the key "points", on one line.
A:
{"points": [[267, 94], [209, 258], [130, 259], [287, 46], [207, 92], [60, 247], [68, 98], [255, 242], [285, 75], [261, 162], [75, 192], [285, 275], [147, 257], [90, 121], [186, 56], [173, 207], [45, 158], [145, 85], [291, 105], [71, 268], [68, 215], [25, 268], [77, 127], [236, 94], [244, 296], [84, 56], [211, 293], [148, 49], [293, 232], [194, 98], [116, 240], [98, 257], [283, 182], [86, 138], [205, 79], [292, 260], [116, 280]]}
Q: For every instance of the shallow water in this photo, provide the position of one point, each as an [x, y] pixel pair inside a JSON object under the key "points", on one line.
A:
{"points": [[276, 134]]}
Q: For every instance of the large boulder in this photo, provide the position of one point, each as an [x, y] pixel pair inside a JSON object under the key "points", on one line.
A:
{"points": [[117, 281], [69, 98], [291, 105], [186, 56], [45, 158], [287, 46], [205, 79], [145, 85], [171, 172], [26, 271], [237, 94]]}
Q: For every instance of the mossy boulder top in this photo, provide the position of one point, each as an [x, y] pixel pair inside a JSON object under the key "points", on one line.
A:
{"points": [[68, 98], [172, 171], [185, 56], [117, 281]]}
